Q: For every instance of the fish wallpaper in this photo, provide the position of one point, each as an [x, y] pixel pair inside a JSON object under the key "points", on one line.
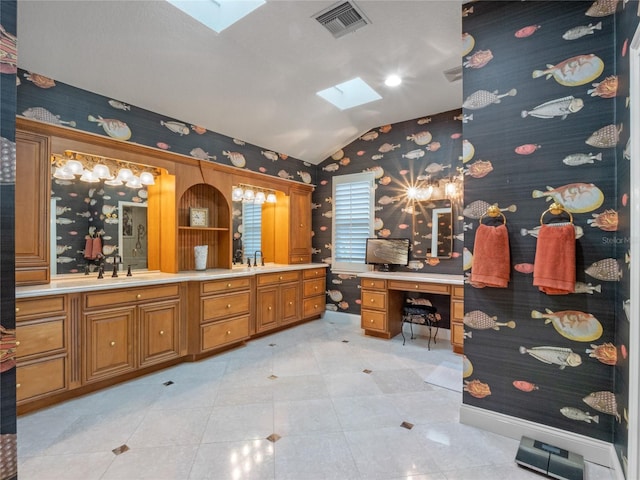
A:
{"points": [[47, 100], [545, 95], [409, 153], [8, 68]]}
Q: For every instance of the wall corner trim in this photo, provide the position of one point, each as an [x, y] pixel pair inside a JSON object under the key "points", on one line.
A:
{"points": [[593, 450]]}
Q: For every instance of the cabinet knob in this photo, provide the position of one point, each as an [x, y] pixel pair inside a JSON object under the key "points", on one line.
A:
{"points": [[17, 343], [316, 287], [417, 286], [301, 258], [371, 321], [161, 332], [17, 309], [139, 296], [113, 344], [290, 303], [17, 385], [228, 285], [315, 307], [228, 332], [301, 225], [280, 277], [373, 300], [372, 284], [269, 308], [228, 305]]}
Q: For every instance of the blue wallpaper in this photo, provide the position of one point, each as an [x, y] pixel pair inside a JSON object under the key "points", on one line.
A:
{"points": [[400, 155], [548, 103]]}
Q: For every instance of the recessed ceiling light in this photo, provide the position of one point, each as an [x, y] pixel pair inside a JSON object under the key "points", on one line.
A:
{"points": [[393, 81], [217, 14], [349, 94]]}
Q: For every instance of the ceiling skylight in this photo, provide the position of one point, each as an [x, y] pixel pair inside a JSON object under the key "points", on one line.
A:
{"points": [[217, 14], [349, 94]]}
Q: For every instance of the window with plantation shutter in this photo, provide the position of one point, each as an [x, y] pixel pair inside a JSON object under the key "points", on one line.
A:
{"points": [[251, 228], [353, 215]]}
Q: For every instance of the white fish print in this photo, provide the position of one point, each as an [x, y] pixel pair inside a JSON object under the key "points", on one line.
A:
{"points": [[560, 107], [574, 197], [119, 105], [44, 115], [581, 31], [332, 167], [436, 167], [64, 221], [535, 231], [201, 154], [237, 159], [285, 174], [484, 98], [576, 159], [414, 154], [176, 127], [273, 156], [113, 127]]}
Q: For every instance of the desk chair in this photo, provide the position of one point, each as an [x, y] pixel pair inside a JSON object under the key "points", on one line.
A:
{"points": [[420, 314]]}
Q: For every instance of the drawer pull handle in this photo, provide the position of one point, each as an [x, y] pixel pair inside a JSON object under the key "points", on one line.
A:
{"points": [[161, 332], [228, 332], [228, 305], [228, 285], [138, 296], [113, 344]]}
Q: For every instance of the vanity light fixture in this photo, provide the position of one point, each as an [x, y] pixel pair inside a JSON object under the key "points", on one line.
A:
{"points": [[252, 194], [94, 168]]}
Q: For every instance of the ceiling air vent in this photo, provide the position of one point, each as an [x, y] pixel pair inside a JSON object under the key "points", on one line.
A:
{"points": [[453, 74], [342, 18]]}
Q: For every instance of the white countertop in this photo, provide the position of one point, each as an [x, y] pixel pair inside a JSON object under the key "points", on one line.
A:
{"points": [[416, 277], [78, 282]]}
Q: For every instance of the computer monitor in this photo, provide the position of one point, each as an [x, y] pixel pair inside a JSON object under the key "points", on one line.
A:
{"points": [[387, 252]]}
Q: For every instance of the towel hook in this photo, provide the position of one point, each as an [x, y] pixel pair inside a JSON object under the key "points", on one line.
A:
{"points": [[494, 211], [556, 209]]}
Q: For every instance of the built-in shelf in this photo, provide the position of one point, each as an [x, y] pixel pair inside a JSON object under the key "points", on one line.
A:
{"points": [[216, 229]]}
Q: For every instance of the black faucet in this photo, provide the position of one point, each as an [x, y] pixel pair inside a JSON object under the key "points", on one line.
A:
{"points": [[117, 259], [255, 258]]}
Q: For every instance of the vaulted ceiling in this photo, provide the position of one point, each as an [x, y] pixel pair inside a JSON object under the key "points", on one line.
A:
{"points": [[257, 80]]}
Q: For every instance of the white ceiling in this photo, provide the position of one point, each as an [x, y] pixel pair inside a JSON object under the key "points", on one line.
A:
{"points": [[257, 80]]}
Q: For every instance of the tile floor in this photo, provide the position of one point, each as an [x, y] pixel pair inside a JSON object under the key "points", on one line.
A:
{"points": [[292, 405]]}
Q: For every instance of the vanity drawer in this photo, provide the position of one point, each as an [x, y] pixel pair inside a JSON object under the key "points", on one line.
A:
{"points": [[297, 259], [372, 320], [225, 306], [279, 277], [217, 286], [419, 287], [313, 306], [40, 378], [376, 300], [457, 310], [120, 296], [40, 337], [374, 283], [223, 333], [313, 287], [315, 273], [49, 306], [457, 292]]}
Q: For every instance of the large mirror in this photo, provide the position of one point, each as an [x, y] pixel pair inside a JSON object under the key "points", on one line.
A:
{"points": [[432, 229], [254, 230], [92, 218]]}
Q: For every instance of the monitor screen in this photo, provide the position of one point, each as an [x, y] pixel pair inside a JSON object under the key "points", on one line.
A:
{"points": [[387, 251]]}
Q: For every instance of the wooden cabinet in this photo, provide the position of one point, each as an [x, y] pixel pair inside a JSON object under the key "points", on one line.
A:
{"points": [[277, 299], [457, 315], [219, 313], [380, 311], [42, 351], [300, 226], [127, 329], [32, 208], [313, 292]]}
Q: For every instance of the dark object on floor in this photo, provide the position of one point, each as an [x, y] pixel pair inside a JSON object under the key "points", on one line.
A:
{"points": [[554, 462]]}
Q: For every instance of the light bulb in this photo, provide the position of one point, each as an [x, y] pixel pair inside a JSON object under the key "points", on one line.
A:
{"points": [[146, 178], [62, 174], [125, 174], [134, 182], [259, 198], [89, 177], [101, 171], [74, 167], [249, 195], [271, 198], [237, 194]]}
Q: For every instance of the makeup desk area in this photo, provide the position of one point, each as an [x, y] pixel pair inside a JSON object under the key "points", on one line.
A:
{"points": [[383, 296]]}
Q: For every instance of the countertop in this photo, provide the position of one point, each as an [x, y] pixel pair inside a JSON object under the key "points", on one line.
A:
{"points": [[417, 277], [78, 282]]}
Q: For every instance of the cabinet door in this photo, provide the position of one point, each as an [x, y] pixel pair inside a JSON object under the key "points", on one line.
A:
{"points": [[40, 378], [266, 306], [159, 332], [32, 209], [108, 343], [300, 204], [290, 303]]}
